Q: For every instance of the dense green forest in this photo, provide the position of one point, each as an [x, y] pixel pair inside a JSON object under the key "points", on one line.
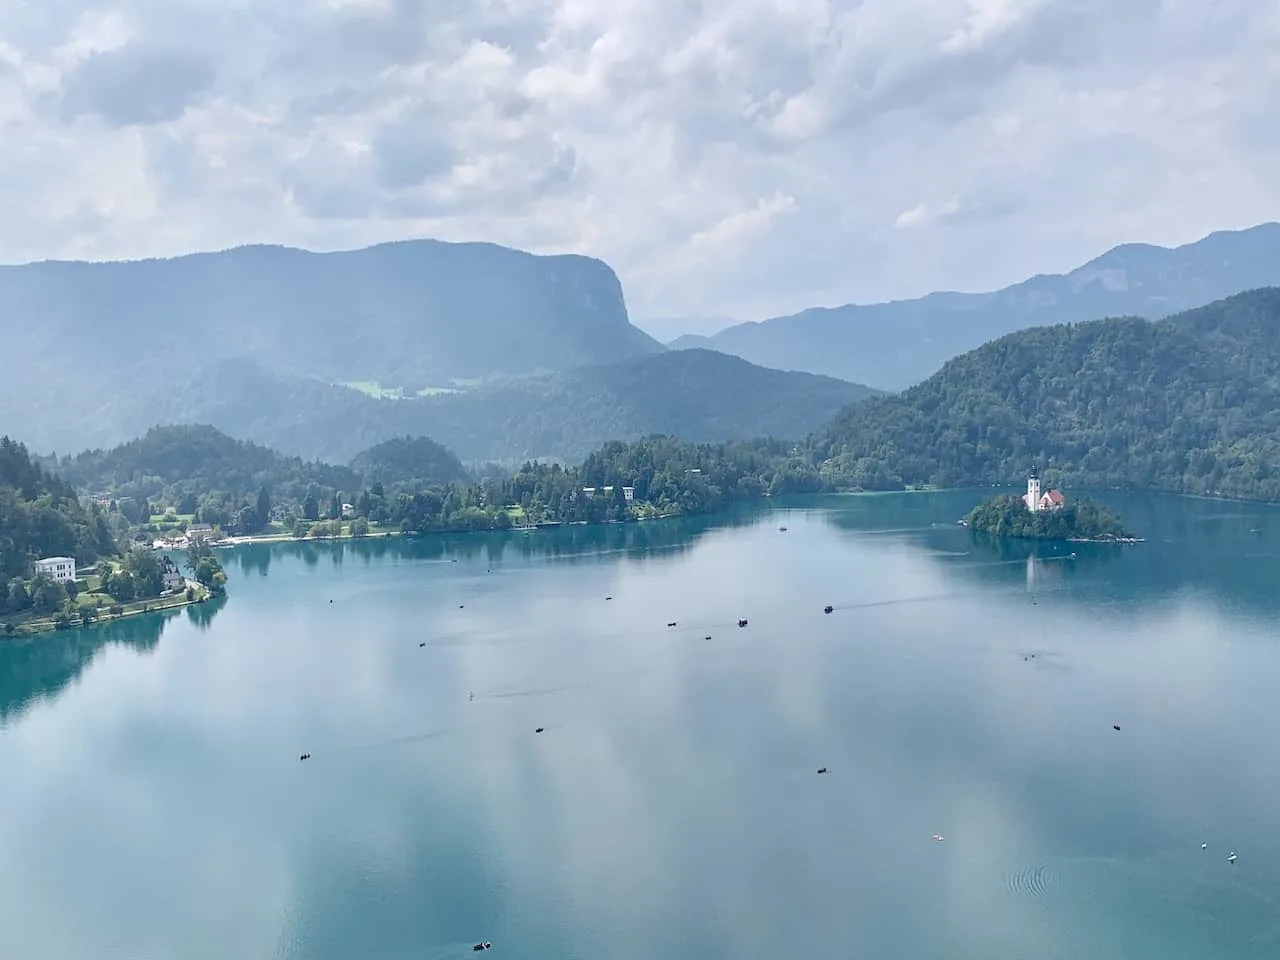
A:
{"points": [[665, 476], [697, 395], [177, 476], [1189, 404], [409, 461], [1007, 516], [41, 516], [170, 461]]}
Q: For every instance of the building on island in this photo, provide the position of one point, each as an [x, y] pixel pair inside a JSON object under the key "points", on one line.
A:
{"points": [[62, 569], [1037, 500]]}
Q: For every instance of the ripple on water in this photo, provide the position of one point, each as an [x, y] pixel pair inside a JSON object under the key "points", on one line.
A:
{"points": [[1196, 891], [1029, 881]]}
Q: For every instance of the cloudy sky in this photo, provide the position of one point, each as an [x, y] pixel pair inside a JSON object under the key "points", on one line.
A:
{"points": [[728, 157]]}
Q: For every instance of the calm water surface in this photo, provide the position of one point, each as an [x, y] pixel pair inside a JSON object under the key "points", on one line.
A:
{"points": [[154, 806]]}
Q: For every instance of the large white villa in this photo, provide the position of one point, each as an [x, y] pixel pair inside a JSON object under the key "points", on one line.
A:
{"points": [[61, 569]]}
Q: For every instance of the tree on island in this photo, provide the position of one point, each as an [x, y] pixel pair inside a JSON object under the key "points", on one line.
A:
{"points": [[1007, 516]]}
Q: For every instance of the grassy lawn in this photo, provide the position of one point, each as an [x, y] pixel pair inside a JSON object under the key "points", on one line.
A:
{"points": [[175, 519], [371, 388], [101, 604]]}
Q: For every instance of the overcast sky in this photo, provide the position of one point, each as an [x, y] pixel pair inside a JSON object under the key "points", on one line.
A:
{"points": [[738, 158]]}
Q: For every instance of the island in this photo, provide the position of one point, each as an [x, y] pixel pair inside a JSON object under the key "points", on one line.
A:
{"points": [[1046, 515]]}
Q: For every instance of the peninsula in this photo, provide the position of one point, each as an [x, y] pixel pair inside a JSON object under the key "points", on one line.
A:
{"points": [[1046, 515]]}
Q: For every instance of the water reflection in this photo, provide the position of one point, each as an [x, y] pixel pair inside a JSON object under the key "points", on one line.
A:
{"points": [[40, 667], [572, 543], [253, 559], [1224, 552], [202, 614], [671, 807]]}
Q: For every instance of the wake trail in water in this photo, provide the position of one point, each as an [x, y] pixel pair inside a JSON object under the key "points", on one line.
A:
{"points": [[402, 740], [509, 694]]}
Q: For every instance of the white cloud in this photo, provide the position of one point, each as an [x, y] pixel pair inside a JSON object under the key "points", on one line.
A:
{"points": [[742, 157]]}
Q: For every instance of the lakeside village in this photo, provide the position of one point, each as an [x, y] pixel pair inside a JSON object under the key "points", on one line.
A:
{"points": [[144, 577], [1041, 514], [141, 579], [374, 515]]}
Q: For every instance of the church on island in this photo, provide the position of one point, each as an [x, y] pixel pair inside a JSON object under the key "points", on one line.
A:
{"points": [[1037, 500]]}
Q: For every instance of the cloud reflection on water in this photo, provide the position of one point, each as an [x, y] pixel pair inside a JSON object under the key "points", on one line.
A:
{"points": [[671, 806]]}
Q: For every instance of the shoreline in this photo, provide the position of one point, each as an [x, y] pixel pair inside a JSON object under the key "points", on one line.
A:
{"points": [[134, 608], [242, 541], [269, 538]]}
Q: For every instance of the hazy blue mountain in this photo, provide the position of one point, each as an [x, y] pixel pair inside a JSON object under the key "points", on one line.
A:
{"points": [[893, 345], [1188, 404], [86, 343], [664, 328], [696, 395], [415, 461]]}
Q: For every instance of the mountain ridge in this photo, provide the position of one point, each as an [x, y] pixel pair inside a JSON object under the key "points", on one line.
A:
{"points": [[893, 344], [90, 336], [695, 395]]}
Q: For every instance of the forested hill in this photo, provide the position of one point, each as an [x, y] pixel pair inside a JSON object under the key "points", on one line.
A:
{"points": [[698, 395], [192, 458], [1188, 404], [40, 516], [409, 461]]}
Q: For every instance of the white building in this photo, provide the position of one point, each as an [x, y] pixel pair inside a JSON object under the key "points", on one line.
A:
{"points": [[628, 493], [61, 569], [1036, 500]]}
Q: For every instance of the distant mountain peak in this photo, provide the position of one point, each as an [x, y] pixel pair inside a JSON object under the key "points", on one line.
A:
{"points": [[894, 344], [116, 340]]}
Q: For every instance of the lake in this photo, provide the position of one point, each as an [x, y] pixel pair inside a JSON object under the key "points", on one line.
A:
{"points": [[154, 804]]}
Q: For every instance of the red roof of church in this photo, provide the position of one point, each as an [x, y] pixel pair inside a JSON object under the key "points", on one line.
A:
{"points": [[1054, 496]]}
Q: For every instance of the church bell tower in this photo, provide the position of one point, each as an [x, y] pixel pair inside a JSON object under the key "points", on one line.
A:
{"points": [[1033, 491]]}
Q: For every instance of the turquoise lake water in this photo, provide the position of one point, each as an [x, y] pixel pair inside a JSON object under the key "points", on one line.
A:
{"points": [[154, 805]]}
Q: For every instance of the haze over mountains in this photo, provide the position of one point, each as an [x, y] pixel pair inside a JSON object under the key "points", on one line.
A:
{"points": [[697, 395], [893, 345], [1187, 404], [413, 314], [264, 342], [498, 355]]}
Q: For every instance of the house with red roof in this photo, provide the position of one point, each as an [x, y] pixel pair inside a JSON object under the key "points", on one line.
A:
{"points": [[1037, 499]]}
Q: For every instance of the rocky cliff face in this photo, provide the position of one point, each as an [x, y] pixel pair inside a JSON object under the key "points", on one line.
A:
{"points": [[395, 312], [407, 316]]}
